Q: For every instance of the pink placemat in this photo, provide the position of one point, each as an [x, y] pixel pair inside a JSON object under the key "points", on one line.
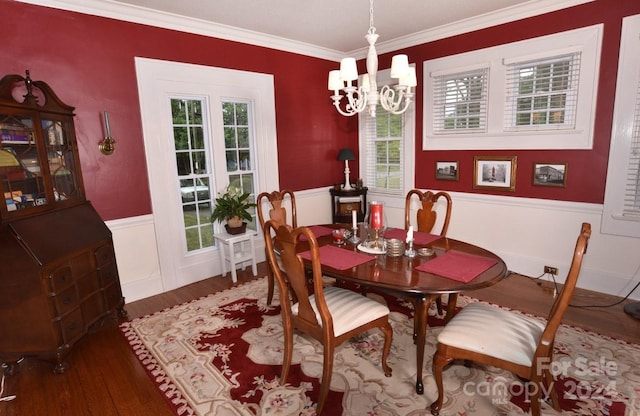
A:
{"points": [[418, 237], [338, 258], [318, 231], [458, 266]]}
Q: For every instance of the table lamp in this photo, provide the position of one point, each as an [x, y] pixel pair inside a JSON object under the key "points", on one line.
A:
{"points": [[346, 155]]}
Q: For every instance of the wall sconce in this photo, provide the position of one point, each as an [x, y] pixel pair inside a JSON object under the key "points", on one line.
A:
{"points": [[107, 145], [346, 155]]}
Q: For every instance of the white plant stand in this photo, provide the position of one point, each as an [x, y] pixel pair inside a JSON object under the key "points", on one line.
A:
{"points": [[237, 249]]}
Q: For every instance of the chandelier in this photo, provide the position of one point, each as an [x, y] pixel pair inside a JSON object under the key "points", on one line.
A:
{"points": [[394, 99]]}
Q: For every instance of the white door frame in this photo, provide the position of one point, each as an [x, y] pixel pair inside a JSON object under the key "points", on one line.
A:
{"points": [[157, 80]]}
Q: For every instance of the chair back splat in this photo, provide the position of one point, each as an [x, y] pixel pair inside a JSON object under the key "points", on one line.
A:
{"points": [[426, 216], [331, 314], [514, 342]]}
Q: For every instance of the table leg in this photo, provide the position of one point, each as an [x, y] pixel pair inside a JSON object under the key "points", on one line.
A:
{"points": [[223, 262], [232, 258], [254, 266], [422, 308]]}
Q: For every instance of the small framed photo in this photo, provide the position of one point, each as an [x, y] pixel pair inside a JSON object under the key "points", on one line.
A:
{"points": [[497, 173], [447, 171], [550, 174]]}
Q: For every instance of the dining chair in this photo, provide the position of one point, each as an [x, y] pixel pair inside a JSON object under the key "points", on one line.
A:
{"points": [[517, 343], [425, 220], [331, 314], [273, 201]]}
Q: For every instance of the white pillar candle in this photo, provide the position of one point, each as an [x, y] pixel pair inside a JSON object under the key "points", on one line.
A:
{"points": [[354, 218], [107, 127], [410, 234]]}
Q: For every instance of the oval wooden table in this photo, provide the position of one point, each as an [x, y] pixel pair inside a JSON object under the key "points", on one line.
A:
{"points": [[398, 276]]}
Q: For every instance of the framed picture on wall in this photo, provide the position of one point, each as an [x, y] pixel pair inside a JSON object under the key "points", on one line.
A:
{"points": [[550, 174], [496, 172], [447, 171]]}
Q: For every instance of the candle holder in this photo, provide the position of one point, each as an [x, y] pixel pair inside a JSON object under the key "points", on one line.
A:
{"points": [[354, 239], [107, 145], [410, 252], [376, 221]]}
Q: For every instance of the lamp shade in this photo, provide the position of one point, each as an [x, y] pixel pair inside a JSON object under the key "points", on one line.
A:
{"points": [[399, 66], [335, 83], [348, 69], [346, 154]]}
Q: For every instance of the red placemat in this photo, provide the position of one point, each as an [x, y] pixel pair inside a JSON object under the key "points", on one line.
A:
{"points": [[418, 237], [318, 231], [458, 266], [338, 258]]}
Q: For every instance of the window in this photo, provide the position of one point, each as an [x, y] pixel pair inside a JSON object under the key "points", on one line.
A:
{"points": [[386, 148], [522, 95], [460, 102], [193, 169], [543, 94], [238, 146], [621, 214]]}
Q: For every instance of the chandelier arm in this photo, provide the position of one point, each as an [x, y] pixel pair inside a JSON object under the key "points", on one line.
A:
{"points": [[354, 105]]}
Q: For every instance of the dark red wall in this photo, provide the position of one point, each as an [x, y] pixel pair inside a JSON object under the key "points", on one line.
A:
{"points": [[587, 169], [89, 62]]}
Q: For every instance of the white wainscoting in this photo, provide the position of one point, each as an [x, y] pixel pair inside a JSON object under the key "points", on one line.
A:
{"points": [[527, 233]]}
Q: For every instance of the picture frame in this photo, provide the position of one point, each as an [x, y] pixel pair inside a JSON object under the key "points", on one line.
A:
{"points": [[495, 172], [551, 174], [447, 170]]}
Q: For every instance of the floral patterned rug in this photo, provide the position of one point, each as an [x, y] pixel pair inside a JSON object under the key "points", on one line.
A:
{"points": [[221, 354]]}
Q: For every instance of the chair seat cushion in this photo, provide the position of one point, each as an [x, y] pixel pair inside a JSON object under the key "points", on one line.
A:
{"points": [[495, 332], [348, 309]]}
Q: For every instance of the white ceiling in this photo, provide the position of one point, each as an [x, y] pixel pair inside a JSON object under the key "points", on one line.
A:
{"points": [[337, 26]]}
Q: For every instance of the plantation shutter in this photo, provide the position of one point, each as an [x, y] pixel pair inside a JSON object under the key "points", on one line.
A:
{"points": [[385, 151], [460, 101], [542, 94], [632, 188]]}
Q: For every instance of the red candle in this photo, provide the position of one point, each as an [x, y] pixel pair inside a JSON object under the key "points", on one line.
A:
{"points": [[376, 216]]}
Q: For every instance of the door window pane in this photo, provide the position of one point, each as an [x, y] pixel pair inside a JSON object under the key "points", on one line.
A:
{"points": [[194, 172]]}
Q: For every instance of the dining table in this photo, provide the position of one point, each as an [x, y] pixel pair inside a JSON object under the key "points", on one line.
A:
{"points": [[446, 266]]}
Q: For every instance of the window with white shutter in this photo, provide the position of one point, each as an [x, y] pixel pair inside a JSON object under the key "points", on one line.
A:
{"points": [[621, 214], [387, 150], [537, 93], [543, 94], [460, 102]]}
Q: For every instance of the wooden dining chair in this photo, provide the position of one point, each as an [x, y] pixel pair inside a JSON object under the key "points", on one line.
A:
{"points": [[514, 342], [273, 201], [426, 218], [331, 314]]}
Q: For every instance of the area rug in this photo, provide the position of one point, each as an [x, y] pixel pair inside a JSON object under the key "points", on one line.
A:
{"points": [[221, 354]]}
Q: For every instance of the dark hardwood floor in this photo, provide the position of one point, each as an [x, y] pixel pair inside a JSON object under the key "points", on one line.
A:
{"points": [[105, 378]]}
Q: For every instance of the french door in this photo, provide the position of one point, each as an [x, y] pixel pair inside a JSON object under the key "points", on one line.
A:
{"points": [[203, 128]]}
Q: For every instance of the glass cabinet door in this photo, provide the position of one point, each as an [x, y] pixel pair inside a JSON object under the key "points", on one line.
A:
{"points": [[61, 161], [21, 171]]}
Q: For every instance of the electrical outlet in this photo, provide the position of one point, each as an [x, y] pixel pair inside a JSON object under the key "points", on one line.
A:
{"points": [[551, 270]]}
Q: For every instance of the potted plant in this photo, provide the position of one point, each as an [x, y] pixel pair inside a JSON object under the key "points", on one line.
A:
{"points": [[233, 206]]}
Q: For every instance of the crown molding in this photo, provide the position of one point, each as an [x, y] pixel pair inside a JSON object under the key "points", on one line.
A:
{"points": [[142, 15], [509, 14]]}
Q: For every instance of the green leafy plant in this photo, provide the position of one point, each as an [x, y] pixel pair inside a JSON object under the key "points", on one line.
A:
{"points": [[230, 203]]}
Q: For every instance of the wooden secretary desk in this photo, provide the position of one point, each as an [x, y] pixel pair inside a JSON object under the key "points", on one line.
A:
{"points": [[58, 274]]}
